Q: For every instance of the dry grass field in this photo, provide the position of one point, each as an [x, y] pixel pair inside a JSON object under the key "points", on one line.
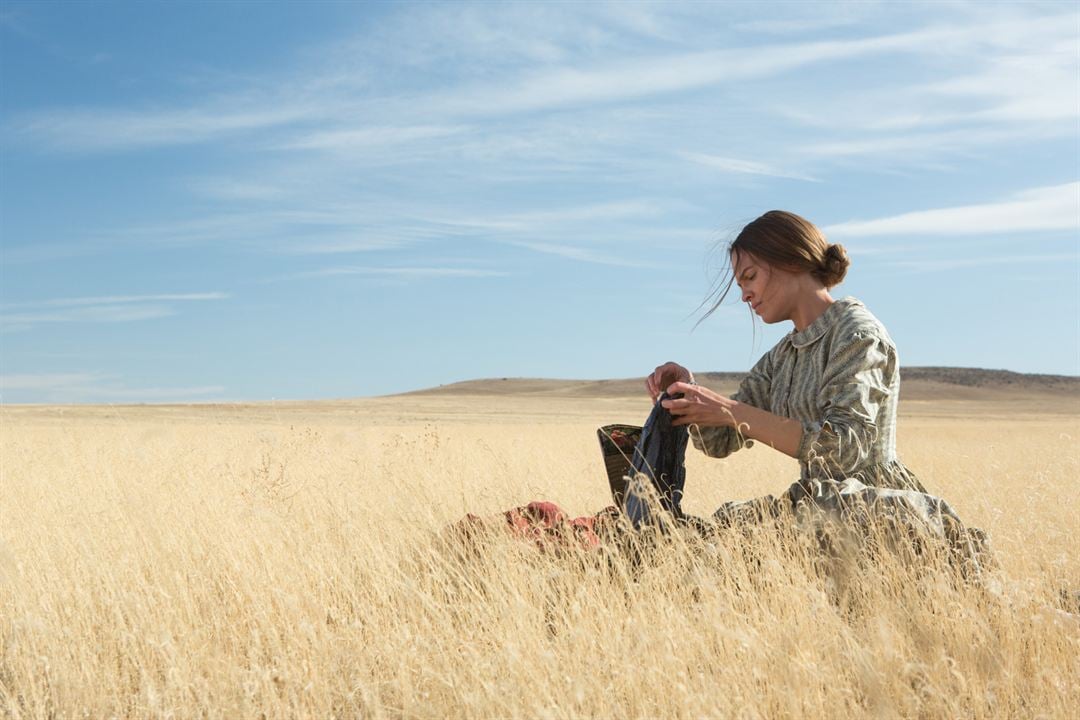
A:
{"points": [[284, 560]]}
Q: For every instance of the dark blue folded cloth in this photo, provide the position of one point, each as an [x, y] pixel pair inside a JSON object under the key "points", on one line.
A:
{"points": [[657, 467]]}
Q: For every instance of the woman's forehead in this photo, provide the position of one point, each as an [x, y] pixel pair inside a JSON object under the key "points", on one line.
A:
{"points": [[741, 261]]}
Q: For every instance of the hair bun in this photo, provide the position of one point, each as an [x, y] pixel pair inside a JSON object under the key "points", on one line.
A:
{"points": [[834, 265]]}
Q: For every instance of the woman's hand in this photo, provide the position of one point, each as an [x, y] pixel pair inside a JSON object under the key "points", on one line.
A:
{"points": [[664, 376], [699, 406]]}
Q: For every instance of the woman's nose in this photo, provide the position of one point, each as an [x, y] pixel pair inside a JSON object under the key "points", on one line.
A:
{"points": [[746, 296]]}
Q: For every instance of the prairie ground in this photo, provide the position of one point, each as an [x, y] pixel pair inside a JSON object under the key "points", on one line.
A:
{"points": [[285, 560]]}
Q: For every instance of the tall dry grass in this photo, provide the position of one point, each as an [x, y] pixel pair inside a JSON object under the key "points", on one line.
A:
{"points": [[233, 566]]}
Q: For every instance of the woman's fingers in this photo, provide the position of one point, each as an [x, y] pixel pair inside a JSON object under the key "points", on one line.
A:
{"points": [[654, 382], [678, 407], [664, 375], [683, 411], [658, 376], [682, 387], [667, 376], [694, 407], [651, 387]]}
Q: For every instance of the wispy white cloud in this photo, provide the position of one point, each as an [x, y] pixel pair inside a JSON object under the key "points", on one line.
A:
{"points": [[298, 105], [609, 211], [107, 309], [95, 387], [487, 34], [934, 116], [533, 230], [1034, 85], [798, 26], [634, 78], [943, 264], [360, 240], [907, 144], [316, 226], [748, 167], [118, 300], [47, 381], [97, 129], [405, 272], [103, 314], [115, 393], [1008, 81], [541, 220], [325, 226], [232, 189], [1005, 78], [366, 138], [1039, 209], [596, 256], [304, 226]]}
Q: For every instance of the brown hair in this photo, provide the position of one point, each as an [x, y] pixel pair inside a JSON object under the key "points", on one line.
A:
{"points": [[787, 241]]}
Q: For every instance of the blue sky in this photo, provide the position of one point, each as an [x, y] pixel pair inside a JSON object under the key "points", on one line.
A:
{"points": [[244, 201]]}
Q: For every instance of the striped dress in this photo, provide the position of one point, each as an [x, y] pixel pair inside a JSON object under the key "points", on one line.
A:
{"points": [[840, 378]]}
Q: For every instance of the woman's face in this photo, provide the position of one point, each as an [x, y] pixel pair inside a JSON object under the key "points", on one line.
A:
{"points": [[763, 287]]}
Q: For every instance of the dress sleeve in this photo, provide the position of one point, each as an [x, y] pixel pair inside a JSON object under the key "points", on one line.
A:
{"points": [[754, 390], [855, 382]]}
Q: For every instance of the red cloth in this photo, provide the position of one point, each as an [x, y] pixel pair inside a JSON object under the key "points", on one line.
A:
{"points": [[546, 525]]}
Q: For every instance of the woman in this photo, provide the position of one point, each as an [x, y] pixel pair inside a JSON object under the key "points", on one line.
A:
{"points": [[826, 394]]}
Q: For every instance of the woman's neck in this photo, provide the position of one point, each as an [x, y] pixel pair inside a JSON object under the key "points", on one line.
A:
{"points": [[810, 308]]}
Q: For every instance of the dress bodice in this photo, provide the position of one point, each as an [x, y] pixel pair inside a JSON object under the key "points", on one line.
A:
{"points": [[840, 379]]}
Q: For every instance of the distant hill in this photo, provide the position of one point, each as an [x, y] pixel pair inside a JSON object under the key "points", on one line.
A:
{"points": [[917, 383], [978, 377]]}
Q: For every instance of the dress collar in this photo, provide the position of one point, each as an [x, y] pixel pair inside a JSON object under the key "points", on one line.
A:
{"points": [[825, 320]]}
